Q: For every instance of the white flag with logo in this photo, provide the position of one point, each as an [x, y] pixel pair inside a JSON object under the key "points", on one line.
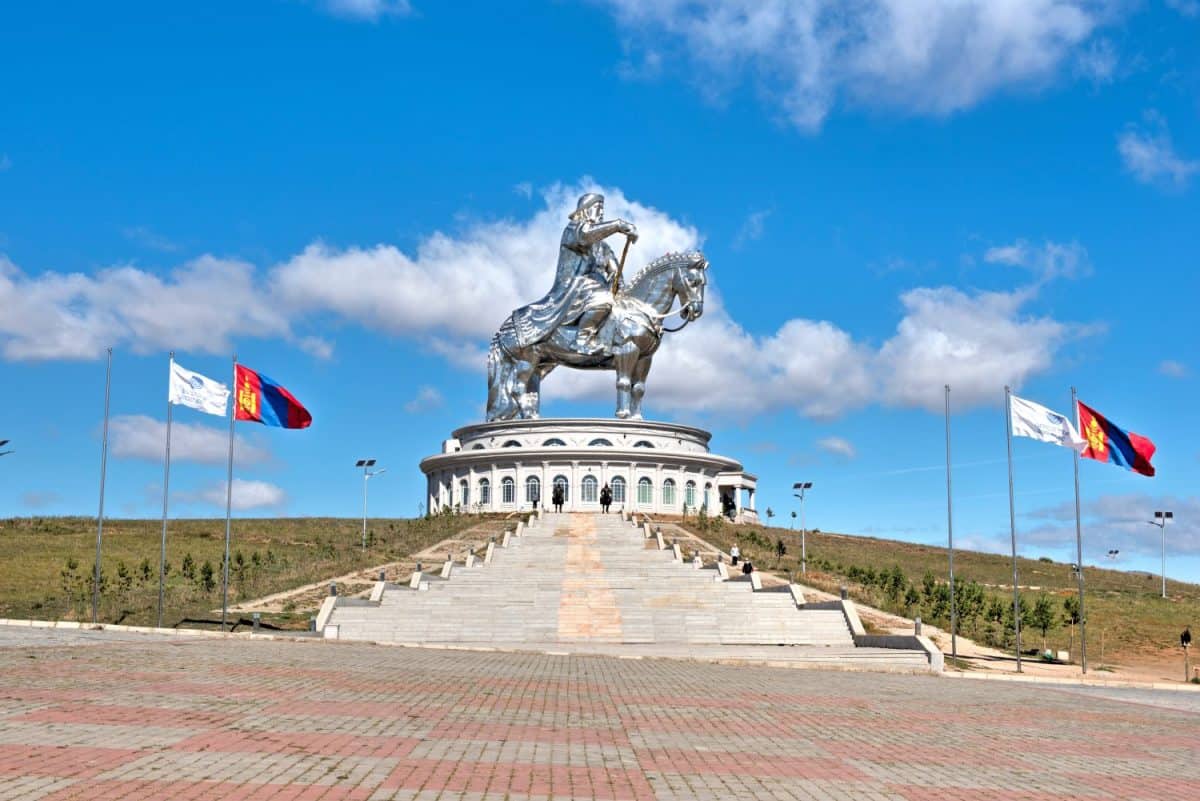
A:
{"points": [[197, 391], [1035, 421]]}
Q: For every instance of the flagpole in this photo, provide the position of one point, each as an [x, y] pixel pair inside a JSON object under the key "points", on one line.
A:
{"points": [[1012, 522], [100, 516], [1079, 544], [162, 552], [950, 537], [228, 500]]}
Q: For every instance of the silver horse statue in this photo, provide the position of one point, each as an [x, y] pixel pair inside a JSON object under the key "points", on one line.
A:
{"points": [[627, 339]]}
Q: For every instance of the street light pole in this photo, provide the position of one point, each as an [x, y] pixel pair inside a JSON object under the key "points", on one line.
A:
{"points": [[366, 465], [802, 486], [1160, 520]]}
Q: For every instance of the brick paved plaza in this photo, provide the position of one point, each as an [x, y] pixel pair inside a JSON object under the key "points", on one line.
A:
{"points": [[142, 718]]}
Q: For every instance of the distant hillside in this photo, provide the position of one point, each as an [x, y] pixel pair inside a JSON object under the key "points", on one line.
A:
{"points": [[1123, 608]]}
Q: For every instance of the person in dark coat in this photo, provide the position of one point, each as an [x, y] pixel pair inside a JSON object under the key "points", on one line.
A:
{"points": [[605, 498], [557, 497]]}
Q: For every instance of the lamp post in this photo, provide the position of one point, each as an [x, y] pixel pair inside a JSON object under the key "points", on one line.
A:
{"points": [[802, 486], [368, 473], [1160, 520]]}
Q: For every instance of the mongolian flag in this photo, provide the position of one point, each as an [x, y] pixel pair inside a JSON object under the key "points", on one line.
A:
{"points": [[1107, 443], [261, 400]]}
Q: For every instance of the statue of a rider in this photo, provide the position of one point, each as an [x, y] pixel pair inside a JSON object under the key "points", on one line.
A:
{"points": [[583, 283]]}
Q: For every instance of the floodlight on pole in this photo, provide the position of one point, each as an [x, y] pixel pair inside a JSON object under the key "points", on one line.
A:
{"points": [[1160, 520], [368, 473], [802, 486]]}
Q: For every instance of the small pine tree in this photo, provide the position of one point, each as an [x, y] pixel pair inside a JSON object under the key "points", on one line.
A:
{"points": [[144, 572], [1042, 617], [207, 580], [188, 568]]}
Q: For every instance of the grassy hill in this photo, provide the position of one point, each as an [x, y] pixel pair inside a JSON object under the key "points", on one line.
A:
{"points": [[47, 562], [1124, 609]]}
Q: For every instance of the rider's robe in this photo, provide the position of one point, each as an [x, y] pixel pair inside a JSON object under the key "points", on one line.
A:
{"points": [[581, 283]]}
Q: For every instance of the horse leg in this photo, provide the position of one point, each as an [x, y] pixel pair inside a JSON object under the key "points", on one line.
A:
{"points": [[526, 400], [501, 405], [625, 357], [638, 389]]}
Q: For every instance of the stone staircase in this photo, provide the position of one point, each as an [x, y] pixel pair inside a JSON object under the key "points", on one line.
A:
{"points": [[596, 579]]}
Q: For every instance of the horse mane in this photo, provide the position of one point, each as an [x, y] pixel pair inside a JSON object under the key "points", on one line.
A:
{"points": [[663, 262]]}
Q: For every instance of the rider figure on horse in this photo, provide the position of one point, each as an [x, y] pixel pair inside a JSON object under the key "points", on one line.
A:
{"points": [[583, 282]]}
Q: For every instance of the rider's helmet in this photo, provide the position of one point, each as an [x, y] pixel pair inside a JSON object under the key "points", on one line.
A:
{"points": [[586, 202]]}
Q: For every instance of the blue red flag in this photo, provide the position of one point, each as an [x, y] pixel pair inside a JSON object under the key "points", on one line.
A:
{"points": [[1107, 443], [261, 400]]}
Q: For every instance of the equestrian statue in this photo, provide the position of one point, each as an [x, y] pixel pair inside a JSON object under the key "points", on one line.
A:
{"points": [[591, 319]]}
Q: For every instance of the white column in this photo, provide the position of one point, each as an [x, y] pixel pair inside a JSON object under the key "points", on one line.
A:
{"points": [[472, 490], [658, 483], [493, 501], [574, 490], [544, 497]]}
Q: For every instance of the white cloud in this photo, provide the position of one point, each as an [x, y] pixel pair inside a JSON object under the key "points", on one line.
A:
{"points": [[246, 495], [147, 238], [1048, 261], [427, 398], [976, 343], [1174, 369], [316, 347], [454, 292], [1188, 8], [837, 446], [370, 10], [1149, 154], [198, 307], [139, 437], [752, 229], [1121, 522], [1098, 61], [926, 56], [463, 285], [40, 500]]}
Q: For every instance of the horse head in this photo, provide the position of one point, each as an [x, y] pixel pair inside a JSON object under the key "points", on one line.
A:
{"points": [[692, 277]]}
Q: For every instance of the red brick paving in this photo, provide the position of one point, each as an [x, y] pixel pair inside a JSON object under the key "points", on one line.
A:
{"points": [[343, 722]]}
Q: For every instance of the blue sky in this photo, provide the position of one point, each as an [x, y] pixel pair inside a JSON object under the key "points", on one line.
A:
{"points": [[352, 194]]}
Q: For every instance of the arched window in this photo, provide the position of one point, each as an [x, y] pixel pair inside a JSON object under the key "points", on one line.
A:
{"points": [[618, 489], [561, 481], [707, 495], [643, 443], [600, 443], [645, 491], [478, 446], [554, 442], [464, 493], [533, 490], [485, 492], [508, 491], [669, 493], [591, 489], [512, 443], [689, 494]]}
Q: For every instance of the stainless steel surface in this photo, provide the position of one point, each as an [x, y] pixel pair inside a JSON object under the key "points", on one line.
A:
{"points": [[100, 516], [583, 323], [1079, 548]]}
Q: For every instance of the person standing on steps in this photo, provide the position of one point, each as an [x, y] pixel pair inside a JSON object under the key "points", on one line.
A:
{"points": [[735, 553], [557, 498], [605, 498]]}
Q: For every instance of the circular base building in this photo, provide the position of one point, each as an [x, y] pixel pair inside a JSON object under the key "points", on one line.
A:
{"points": [[652, 467]]}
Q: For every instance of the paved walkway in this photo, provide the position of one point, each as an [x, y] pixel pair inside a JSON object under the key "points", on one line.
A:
{"points": [[229, 719]]}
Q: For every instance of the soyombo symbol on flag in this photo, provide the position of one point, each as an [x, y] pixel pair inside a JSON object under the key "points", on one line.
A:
{"points": [[258, 399], [1107, 443]]}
